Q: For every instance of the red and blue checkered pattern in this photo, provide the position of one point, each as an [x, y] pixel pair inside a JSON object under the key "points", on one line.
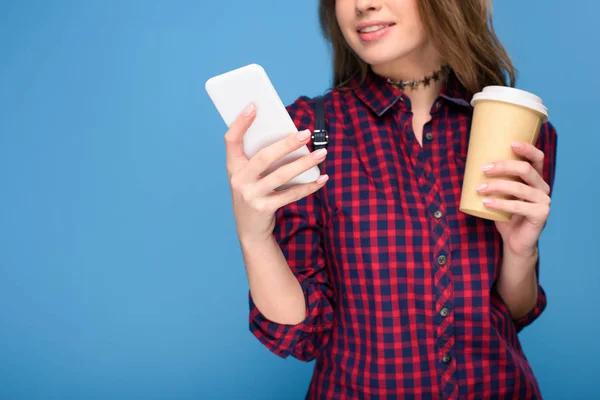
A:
{"points": [[399, 284]]}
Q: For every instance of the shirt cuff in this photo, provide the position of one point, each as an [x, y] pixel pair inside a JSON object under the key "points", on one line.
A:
{"points": [[285, 340], [532, 315]]}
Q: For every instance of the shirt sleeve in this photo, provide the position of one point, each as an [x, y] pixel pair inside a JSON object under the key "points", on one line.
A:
{"points": [[298, 231], [547, 142]]}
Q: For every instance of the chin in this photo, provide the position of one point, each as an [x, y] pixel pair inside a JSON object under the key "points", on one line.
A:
{"points": [[380, 57]]}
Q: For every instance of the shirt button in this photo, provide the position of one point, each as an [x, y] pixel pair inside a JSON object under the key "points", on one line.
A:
{"points": [[437, 214], [437, 105], [442, 260], [429, 136], [444, 312], [446, 359]]}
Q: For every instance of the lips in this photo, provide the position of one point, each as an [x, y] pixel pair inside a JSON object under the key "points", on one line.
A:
{"points": [[374, 31], [372, 26]]}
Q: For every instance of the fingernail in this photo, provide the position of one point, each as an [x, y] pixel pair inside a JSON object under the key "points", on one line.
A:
{"points": [[323, 179], [488, 167], [319, 153], [516, 145], [248, 111], [481, 187], [303, 135], [487, 200]]}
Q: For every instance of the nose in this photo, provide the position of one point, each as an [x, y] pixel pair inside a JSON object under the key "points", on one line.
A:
{"points": [[362, 6]]}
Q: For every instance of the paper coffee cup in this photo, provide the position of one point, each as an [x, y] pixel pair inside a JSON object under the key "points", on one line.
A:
{"points": [[501, 115]]}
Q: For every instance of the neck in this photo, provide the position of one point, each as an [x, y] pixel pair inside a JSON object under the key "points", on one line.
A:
{"points": [[415, 67], [422, 98]]}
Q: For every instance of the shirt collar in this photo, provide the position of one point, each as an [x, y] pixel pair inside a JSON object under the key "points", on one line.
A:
{"points": [[380, 96]]}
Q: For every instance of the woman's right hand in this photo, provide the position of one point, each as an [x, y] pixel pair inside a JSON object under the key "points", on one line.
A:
{"points": [[255, 200]]}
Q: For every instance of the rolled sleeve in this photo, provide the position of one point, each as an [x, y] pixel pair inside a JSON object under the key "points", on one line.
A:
{"points": [[298, 231], [537, 310], [304, 340]]}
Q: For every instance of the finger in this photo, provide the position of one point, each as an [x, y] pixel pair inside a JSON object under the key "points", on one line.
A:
{"points": [[274, 152], [297, 192], [516, 189], [531, 153], [521, 169], [234, 137], [536, 213], [287, 172]]}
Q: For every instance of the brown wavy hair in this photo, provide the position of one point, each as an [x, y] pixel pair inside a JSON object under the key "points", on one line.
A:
{"points": [[461, 30]]}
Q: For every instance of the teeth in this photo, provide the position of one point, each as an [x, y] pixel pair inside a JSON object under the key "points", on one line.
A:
{"points": [[372, 28]]}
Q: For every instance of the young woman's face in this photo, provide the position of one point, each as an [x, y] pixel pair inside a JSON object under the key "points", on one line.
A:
{"points": [[393, 28]]}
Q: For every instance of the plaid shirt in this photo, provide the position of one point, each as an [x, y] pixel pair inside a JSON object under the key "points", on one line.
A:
{"points": [[399, 284]]}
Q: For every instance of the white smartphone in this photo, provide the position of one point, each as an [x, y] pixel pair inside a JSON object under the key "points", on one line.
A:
{"points": [[233, 91]]}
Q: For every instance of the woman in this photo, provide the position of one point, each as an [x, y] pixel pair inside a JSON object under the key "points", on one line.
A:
{"points": [[372, 270]]}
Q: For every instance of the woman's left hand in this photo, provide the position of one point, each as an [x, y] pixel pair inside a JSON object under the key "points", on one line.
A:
{"points": [[531, 207]]}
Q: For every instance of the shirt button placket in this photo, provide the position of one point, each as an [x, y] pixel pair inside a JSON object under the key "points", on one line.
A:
{"points": [[442, 280]]}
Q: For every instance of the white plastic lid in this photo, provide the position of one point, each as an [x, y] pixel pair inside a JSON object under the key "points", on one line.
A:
{"points": [[514, 96]]}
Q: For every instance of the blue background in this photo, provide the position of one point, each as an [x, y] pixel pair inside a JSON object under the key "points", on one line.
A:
{"points": [[120, 272]]}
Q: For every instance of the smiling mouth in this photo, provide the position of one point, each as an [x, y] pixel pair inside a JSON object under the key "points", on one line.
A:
{"points": [[374, 33], [375, 28]]}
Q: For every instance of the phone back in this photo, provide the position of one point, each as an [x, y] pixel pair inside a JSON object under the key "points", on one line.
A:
{"points": [[233, 91]]}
